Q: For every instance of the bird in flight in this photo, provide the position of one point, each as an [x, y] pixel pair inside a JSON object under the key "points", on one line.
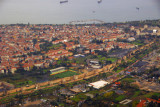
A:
{"points": [[137, 8]]}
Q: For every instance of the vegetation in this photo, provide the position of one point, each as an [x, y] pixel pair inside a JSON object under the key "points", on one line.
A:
{"points": [[112, 59], [138, 42], [128, 79], [79, 97], [108, 94], [24, 83], [136, 94], [65, 74], [48, 45], [120, 98], [102, 96]]}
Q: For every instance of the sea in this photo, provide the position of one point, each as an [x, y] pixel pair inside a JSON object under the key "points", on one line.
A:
{"points": [[54, 12]]}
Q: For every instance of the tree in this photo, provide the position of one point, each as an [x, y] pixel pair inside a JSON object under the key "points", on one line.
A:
{"points": [[54, 39], [12, 102], [104, 75], [88, 100], [126, 30], [54, 103], [134, 103], [34, 41], [108, 94], [151, 104], [154, 97]]}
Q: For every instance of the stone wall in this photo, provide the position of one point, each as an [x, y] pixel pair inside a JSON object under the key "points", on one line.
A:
{"points": [[14, 90], [75, 77], [30, 87], [1, 93]]}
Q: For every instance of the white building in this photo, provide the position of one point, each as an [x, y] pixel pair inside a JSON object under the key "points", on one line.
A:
{"points": [[131, 39], [98, 84]]}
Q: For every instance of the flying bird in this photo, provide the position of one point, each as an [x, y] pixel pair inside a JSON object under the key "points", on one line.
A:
{"points": [[137, 8]]}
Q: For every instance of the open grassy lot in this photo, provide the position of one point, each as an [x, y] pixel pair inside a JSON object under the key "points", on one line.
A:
{"points": [[65, 74], [94, 92], [112, 59], [119, 69], [17, 80], [136, 94], [120, 98], [138, 42], [55, 46], [79, 97], [129, 79], [151, 94]]}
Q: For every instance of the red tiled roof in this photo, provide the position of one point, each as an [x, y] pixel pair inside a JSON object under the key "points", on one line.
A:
{"points": [[141, 104]]}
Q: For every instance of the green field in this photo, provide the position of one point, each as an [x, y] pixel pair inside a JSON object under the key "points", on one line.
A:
{"points": [[119, 69], [151, 94], [136, 94], [112, 59], [130, 80], [120, 98], [79, 97], [138, 42], [65, 74]]}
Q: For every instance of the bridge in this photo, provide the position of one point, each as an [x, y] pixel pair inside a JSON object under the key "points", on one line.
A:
{"points": [[87, 21]]}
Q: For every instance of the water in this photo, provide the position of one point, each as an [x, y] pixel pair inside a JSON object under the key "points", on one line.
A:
{"points": [[52, 12]]}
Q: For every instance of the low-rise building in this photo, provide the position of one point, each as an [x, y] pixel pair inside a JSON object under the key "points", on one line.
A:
{"points": [[98, 84]]}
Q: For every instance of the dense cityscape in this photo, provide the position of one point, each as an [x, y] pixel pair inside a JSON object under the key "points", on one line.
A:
{"points": [[80, 65]]}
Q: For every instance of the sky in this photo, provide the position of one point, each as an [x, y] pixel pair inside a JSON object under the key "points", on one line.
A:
{"points": [[52, 12]]}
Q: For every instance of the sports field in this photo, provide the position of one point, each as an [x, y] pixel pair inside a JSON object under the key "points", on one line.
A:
{"points": [[64, 74], [58, 72]]}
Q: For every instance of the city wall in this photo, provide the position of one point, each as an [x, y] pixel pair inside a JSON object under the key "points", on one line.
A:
{"points": [[72, 78]]}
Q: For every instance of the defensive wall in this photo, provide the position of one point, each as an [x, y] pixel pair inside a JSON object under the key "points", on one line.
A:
{"points": [[107, 68]]}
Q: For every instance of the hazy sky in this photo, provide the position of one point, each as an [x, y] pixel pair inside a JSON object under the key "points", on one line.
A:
{"points": [[51, 11]]}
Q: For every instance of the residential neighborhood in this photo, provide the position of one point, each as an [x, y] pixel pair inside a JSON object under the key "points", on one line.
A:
{"points": [[21, 44], [79, 65]]}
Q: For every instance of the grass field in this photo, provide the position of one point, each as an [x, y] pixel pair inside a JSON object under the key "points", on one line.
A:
{"points": [[119, 69], [136, 94], [79, 97], [65, 74], [130, 80], [151, 93], [120, 98], [112, 59], [138, 42]]}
